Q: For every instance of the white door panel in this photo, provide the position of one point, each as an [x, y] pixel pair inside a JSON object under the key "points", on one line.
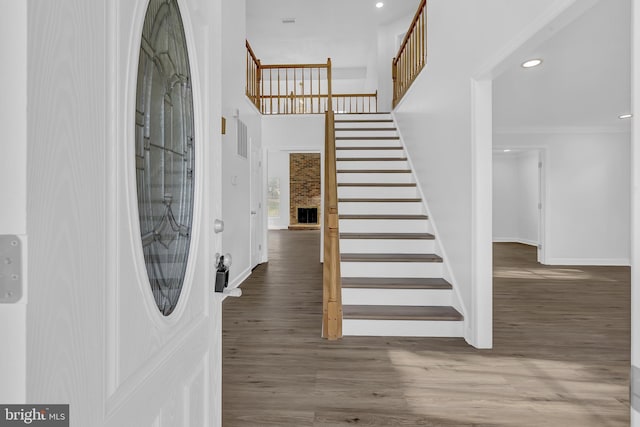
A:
{"points": [[96, 339]]}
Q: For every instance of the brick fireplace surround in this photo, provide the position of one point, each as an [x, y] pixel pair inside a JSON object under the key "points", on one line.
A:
{"points": [[304, 187]]}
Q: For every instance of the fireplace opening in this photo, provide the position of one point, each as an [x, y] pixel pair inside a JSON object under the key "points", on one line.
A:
{"points": [[307, 215]]}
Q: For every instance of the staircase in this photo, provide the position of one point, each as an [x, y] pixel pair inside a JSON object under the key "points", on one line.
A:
{"points": [[392, 275]]}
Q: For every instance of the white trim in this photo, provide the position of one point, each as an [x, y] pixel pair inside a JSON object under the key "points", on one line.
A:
{"points": [[293, 149], [278, 227], [481, 213], [635, 195], [239, 279], [562, 130], [616, 262], [265, 202], [514, 240]]}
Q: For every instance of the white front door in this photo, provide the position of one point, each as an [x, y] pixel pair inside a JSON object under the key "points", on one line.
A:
{"points": [[96, 338]]}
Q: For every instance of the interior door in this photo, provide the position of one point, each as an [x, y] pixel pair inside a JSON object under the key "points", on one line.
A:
{"points": [[257, 196], [97, 337]]}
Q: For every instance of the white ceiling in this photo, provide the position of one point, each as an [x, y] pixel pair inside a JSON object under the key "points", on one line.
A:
{"points": [[343, 30], [584, 80]]}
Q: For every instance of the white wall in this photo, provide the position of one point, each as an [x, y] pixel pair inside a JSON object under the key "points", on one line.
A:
{"points": [[387, 50], [435, 119], [515, 197], [587, 195], [505, 198], [293, 132], [283, 135], [236, 170]]}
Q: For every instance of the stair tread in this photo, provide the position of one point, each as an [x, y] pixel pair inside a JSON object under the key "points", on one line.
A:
{"points": [[373, 200], [373, 113], [396, 312], [364, 129], [371, 159], [371, 148], [373, 171], [376, 184], [364, 121], [383, 216], [388, 236], [363, 138], [390, 258], [394, 283]]}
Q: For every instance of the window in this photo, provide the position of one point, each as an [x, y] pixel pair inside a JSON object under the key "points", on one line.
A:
{"points": [[273, 197], [164, 151]]}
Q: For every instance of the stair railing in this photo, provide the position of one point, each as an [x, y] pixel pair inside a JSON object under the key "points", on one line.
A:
{"points": [[331, 277], [412, 55], [299, 89]]}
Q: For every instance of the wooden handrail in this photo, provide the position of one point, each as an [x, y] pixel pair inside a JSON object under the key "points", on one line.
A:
{"points": [[300, 89], [412, 55], [253, 76], [331, 277]]}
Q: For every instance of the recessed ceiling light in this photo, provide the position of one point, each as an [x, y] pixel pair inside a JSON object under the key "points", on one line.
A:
{"points": [[625, 116], [531, 63], [506, 151], [379, 4]]}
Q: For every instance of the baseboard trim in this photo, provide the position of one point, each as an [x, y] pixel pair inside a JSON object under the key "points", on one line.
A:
{"points": [[238, 280], [514, 240], [278, 227], [612, 262]]}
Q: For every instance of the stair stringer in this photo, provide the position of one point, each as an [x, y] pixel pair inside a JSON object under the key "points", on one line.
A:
{"points": [[447, 272]]}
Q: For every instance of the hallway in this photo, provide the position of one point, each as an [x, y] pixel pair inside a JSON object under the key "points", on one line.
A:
{"points": [[560, 357]]}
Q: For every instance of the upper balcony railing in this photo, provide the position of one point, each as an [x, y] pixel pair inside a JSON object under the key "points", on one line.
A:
{"points": [[300, 89], [412, 55]]}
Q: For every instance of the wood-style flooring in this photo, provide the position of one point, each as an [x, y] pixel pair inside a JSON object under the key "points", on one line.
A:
{"points": [[560, 356]]}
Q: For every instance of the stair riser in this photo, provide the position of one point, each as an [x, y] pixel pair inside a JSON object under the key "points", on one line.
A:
{"points": [[378, 192], [386, 178], [402, 328], [377, 125], [381, 208], [407, 297], [368, 143], [391, 133], [372, 165], [391, 269], [370, 153], [383, 226], [386, 246], [362, 117]]}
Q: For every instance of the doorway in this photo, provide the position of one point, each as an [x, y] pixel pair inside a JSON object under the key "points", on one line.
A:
{"points": [[518, 197]]}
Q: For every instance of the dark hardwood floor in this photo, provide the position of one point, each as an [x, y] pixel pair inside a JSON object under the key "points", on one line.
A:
{"points": [[560, 356]]}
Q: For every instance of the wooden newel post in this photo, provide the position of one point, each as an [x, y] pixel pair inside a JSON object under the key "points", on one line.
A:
{"points": [[329, 93], [331, 277]]}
